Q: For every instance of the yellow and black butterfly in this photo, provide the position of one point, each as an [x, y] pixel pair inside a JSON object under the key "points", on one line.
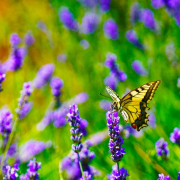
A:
{"points": [[133, 106]]}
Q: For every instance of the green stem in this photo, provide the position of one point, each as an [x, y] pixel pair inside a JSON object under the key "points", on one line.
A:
{"points": [[81, 166], [118, 167], [9, 142]]}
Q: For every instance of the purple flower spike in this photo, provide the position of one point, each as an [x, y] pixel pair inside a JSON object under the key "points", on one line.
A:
{"points": [[44, 75], [75, 121], [157, 3], [89, 23], [116, 141], [10, 173], [152, 120], [132, 38], [162, 177], [15, 40], [135, 13], [138, 68], [175, 136], [105, 104], [56, 84], [24, 106], [87, 176], [111, 29], [147, 17], [84, 43], [178, 178], [2, 78], [16, 59], [29, 39], [31, 148], [105, 5], [33, 168], [178, 83], [5, 122], [121, 174], [111, 81], [161, 148], [66, 17]]}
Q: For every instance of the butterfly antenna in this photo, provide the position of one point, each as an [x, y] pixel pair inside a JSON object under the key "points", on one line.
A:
{"points": [[105, 95]]}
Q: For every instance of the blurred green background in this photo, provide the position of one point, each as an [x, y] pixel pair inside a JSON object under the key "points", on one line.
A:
{"points": [[84, 71]]}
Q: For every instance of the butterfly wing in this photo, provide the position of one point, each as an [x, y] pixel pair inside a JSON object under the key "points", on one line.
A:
{"points": [[113, 94], [134, 104]]}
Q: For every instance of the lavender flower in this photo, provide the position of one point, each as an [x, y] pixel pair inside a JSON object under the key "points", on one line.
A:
{"points": [[175, 136], [31, 148], [116, 74], [105, 5], [33, 168], [161, 148], [111, 81], [44, 75], [2, 78], [178, 178], [16, 59], [62, 57], [111, 29], [104, 104], [84, 43], [71, 164], [42, 26], [89, 23], [15, 40], [10, 173], [128, 130], [24, 106], [66, 17], [59, 118], [121, 174], [178, 82], [138, 68], [162, 177], [157, 3], [132, 38], [116, 141], [5, 122], [29, 39], [74, 122], [135, 13], [152, 120], [87, 176], [56, 84], [147, 18]]}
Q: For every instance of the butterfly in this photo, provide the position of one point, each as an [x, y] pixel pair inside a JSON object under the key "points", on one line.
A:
{"points": [[133, 106]]}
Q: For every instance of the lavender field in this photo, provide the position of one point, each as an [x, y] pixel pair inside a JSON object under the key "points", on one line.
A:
{"points": [[56, 57]]}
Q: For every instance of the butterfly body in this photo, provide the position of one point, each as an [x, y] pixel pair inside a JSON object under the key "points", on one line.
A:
{"points": [[133, 106]]}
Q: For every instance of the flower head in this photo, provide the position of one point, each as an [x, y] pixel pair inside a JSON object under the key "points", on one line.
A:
{"points": [[138, 68], [157, 3], [178, 178], [116, 142], [147, 17], [161, 148], [74, 121], [56, 84], [66, 17], [89, 23], [87, 176], [15, 40], [29, 39], [2, 78], [105, 5], [44, 75], [84, 43], [62, 57], [175, 136], [132, 38], [135, 13], [31, 148], [121, 174], [10, 173], [5, 122], [111, 29], [162, 177]]}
